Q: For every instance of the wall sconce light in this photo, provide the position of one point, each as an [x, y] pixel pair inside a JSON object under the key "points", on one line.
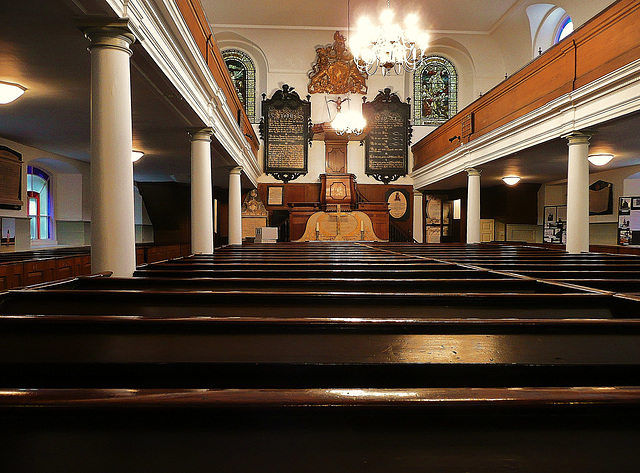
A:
{"points": [[9, 92], [600, 159], [136, 155], [511, 180]]}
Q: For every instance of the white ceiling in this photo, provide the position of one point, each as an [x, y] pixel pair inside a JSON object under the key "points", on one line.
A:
{"points": [[478, 16], [42, 48]]}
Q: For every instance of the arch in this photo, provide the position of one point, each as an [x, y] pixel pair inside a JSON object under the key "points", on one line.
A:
{"points": [[229, 40], [435, 91], [243, 75], [549, 24], [39, 203]]}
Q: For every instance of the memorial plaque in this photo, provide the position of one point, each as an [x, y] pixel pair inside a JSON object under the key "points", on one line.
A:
{"points": [[389, 133], [398, 202], [286, 129]]}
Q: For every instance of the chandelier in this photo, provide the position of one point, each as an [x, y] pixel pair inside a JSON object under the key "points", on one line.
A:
{"points": [[347, 122], [388, 45]]}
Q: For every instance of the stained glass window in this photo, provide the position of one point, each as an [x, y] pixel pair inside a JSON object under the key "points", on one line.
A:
{"points": [[565, 29], [243, 75], [435, 91]]}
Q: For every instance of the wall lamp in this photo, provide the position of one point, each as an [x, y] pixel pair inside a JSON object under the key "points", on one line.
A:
{"points": [[600, 159], [9, 92], [511, 180]]}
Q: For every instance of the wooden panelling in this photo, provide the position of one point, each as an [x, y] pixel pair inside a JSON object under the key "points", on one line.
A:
{"points": [[514, 205], [607, 42], [11, 275], [39, 271], [297, 193], [604, 44], [35, 267], [169, 207]]}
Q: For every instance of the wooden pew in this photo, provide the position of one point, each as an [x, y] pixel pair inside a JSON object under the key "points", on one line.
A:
{"points": [[419, 363]]}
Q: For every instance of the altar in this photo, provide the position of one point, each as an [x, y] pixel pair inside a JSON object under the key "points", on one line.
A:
{"points": [[340, 226]]}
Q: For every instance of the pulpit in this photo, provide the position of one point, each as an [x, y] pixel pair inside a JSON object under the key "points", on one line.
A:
{"points": [[337, 189]]}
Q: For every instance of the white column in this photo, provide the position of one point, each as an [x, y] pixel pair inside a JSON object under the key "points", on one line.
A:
{"points": [[473, 206], [578, 193], [201, 192], [418, 217], [112, 211], [235, 207]]}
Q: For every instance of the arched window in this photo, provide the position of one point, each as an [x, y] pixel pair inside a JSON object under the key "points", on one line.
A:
{"points": [[40, 203], [549, 25], [243, 74], [435, 91], [564, 29]]}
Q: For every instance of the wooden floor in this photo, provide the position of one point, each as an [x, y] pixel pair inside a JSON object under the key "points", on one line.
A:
{"points": [[328, 357]]}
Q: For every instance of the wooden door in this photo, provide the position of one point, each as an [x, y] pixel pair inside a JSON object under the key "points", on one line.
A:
{"points": [[487, 226]]}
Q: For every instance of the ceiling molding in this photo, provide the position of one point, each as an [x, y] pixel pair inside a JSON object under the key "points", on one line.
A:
{"points": [[234, 27]]}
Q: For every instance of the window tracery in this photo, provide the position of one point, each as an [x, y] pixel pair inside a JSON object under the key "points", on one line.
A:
{"points": [[435, 91], [243, 75]]}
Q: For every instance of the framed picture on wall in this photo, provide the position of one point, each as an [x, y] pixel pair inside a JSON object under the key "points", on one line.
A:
{"points": [[625, 205], [561, 213], [635, 203], [550, 214], [275, 195]]}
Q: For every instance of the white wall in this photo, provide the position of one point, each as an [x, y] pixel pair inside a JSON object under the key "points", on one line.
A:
{"points": [[70, 191], [602, 228], [289, 54], [514, 35]]}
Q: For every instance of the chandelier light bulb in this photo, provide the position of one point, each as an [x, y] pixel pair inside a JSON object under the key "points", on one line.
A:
{"points": [[388, 45], [348, 122], [386, 17], [600, 159]]}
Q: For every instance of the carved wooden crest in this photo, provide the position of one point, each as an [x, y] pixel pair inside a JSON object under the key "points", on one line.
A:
{"points": [[335, 72]]}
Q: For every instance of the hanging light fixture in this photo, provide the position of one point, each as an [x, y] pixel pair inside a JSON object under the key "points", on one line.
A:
{"points": [[388, 45], [347, 122], [9, 92]]}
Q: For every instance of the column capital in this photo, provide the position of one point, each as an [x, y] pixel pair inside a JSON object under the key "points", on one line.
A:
{"points": [[109, 34], [200, 134], [578, 138], [236, 170], [417, 193], [473, 172]]}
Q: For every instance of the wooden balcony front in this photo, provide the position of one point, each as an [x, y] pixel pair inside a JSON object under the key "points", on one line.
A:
{"points": [[197, 22], [605, 43]]}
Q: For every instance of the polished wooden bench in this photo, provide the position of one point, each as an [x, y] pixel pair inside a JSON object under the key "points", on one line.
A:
{"points": [[317, 367]]}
